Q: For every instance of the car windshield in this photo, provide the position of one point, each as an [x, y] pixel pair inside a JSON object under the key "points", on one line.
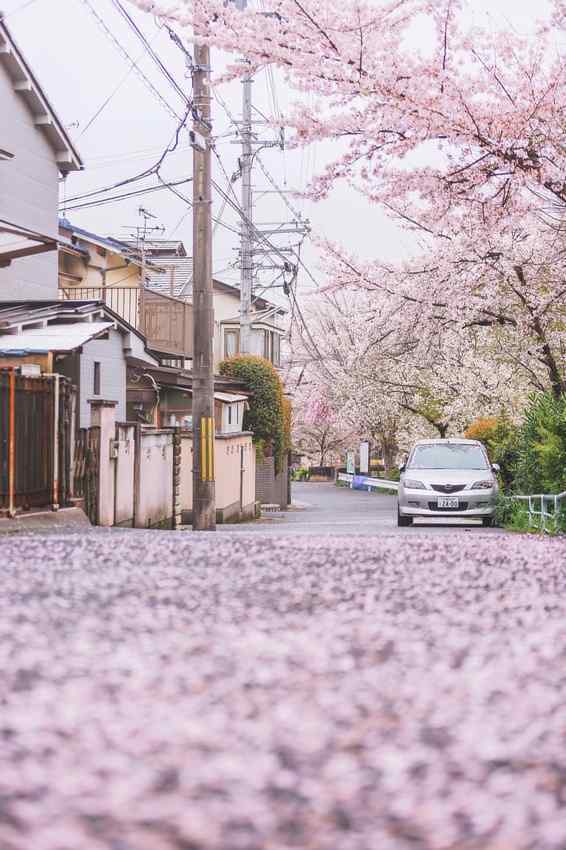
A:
{"points": [[448, 456]]}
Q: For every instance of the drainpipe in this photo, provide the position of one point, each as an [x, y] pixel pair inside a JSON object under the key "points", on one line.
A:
{"points": [[12, 446], [56, 444]]}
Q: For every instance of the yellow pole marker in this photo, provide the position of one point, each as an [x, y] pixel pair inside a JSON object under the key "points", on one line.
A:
{"points": [[203, 452], [211, 449]]}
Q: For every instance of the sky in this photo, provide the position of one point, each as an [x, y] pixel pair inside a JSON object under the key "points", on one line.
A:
{"points": [[121, 128]]}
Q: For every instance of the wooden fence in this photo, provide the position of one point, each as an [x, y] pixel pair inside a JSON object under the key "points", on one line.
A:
{"points": [[36, 425]]}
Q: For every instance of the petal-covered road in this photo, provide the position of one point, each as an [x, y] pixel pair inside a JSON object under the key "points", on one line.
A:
{"points": [[167, 691]]}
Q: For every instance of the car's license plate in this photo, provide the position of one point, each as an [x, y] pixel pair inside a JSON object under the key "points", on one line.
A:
{"points": [[448, 504]]}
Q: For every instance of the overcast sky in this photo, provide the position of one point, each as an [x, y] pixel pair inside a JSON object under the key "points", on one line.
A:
{"points": [[81, 68]]}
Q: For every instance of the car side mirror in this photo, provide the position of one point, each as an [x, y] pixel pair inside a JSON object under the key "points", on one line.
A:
{"points": [[403, 467], [496, 468]]}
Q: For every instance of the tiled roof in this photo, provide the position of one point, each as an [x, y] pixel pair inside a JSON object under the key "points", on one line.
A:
{"points": [[159, 247], [175, 279]]}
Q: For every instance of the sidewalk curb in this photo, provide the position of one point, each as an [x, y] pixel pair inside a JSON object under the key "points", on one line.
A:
{"points": [[73, 519]]}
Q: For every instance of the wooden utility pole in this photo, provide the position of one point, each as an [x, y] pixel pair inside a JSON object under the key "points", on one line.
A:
{"points": [[204, 496], [247, 236]]}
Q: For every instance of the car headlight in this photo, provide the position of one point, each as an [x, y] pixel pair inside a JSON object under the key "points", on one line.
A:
{"points": [[414, 485], [483, 485]]}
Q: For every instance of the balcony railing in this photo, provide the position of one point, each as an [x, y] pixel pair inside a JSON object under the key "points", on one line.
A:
{"points": [[166, 322]]}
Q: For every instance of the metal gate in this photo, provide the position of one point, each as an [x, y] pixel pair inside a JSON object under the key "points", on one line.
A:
{"points": [[35, 436], [86, 466]]}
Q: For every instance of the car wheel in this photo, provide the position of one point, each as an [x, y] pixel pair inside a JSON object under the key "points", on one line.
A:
{"points": [[403, 521], [488, 522]]}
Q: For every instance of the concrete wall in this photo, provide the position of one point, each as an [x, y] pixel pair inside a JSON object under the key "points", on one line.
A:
{"points": [[230, 451], [29, 195], [155, 506], [139, 467], [124, 474], [272, 489]]}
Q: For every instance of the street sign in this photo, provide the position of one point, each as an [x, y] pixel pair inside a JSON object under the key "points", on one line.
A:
{"points": [[364, 458], [351, 463]]}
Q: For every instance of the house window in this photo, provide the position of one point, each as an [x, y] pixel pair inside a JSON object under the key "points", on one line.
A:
{"points": [[96, 388], [229, 414], [231, 343], [272, 347]]}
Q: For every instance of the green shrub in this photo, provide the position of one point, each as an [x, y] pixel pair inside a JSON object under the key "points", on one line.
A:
{"points": [[500, 438], [541, 451], [268, 416]]}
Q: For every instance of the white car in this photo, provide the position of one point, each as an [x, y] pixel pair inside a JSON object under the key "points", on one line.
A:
{"points": [[448, 478]]}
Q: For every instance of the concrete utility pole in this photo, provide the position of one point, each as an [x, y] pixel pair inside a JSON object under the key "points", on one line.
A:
{"points": [[247, 236], [204, 495]]}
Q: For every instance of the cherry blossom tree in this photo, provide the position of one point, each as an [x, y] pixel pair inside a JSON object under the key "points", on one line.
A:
{"points": [[462, 141], [318, 430]]}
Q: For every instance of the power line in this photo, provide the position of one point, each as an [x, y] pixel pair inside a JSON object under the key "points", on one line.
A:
{"points": [[148, 47], [99, 202], [124, 53], [19, 8], [111, 96], [171, 147]]}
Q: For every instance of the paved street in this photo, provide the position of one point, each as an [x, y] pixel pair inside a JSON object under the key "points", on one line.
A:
{"points": [[174, 691], [327, 509]]}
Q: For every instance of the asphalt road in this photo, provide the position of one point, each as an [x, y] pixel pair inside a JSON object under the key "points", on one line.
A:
{"points": [[176, 691], [327, 509]]}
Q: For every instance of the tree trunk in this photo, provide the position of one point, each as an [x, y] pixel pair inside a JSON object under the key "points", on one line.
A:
{"points": [[389, 449]]}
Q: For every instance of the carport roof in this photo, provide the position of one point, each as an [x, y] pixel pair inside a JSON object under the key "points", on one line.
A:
{"points": [[64, 338]]}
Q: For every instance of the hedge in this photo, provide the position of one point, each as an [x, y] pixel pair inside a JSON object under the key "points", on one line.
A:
{"points": [[269, 413]]}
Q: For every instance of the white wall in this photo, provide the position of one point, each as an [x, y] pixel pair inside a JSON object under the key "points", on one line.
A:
{"points": [[110, 354], [227, 464], [137, 349], [29, 195], [237, 417], [156, 479], [124, 478]]}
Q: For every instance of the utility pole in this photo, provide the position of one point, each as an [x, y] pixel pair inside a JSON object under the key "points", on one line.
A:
{"points": [[204, 495], [247, 236], [246, 273]]}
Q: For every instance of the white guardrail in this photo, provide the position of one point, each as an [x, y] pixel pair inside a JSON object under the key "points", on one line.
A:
{"points": [[542, 500], [369, 483]]}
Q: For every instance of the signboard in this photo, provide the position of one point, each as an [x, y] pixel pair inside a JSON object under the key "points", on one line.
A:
{"points": [[351, 463], [364, 458]]}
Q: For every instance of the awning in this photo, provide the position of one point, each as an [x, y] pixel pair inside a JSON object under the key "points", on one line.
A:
{"points": [[230, 398], [56, 338]]}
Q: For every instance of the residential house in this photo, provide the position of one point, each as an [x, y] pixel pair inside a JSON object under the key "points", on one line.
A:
{"points": [[173, 277], [36, 152], [84, 341], [163, 396], [93, 267]]}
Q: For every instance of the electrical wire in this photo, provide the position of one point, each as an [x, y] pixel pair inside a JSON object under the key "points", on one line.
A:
{"points": [[99, 202], [124, 53], [171, 147], [19, 8], [151, 52]]}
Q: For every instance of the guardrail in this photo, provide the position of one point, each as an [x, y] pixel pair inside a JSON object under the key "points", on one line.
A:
{"points": [[542, 500], [359, 482]]}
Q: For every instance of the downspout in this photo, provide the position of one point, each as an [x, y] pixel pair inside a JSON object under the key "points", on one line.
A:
{"points": [[55, 504], [12, 446]]}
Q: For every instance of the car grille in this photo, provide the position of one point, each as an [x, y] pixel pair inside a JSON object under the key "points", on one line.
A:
{"points": [[448, 488], [463, 506]]}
